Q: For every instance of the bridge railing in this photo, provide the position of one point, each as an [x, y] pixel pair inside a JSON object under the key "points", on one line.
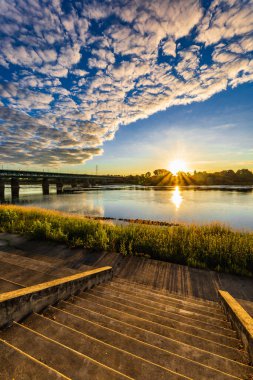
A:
{"points": [[37, 174]]}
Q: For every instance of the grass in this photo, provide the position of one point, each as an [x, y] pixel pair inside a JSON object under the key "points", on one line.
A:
{"points": [[213, 246]]}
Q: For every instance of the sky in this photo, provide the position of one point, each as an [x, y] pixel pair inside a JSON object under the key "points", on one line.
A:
{"points": [[126, 85]]}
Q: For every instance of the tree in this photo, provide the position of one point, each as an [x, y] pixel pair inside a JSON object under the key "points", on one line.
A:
{"points": [[160, 172], [244, 176], [244, 173]]}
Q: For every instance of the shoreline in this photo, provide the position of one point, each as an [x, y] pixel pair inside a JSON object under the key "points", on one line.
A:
{"points": [[214, 246], [133, 221]]}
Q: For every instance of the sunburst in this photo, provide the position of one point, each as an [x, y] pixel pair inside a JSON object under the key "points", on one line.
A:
{"points": [[177, 166]]}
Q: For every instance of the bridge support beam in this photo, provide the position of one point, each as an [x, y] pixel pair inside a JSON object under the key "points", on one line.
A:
{"points": [[59, 187], [14, 188], [2, 188], [45, 186]]}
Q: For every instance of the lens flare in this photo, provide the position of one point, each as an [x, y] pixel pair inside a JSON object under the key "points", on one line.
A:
{"points": [[177, 166]]}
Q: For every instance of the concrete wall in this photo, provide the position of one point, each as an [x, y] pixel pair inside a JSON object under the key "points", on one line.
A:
{"points": [[17, 304], [240, 319]]}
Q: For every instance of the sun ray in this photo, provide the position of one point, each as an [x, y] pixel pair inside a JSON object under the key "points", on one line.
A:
{"points": [[166, 180]]}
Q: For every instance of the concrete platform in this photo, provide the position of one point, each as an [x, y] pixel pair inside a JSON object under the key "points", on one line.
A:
{"points": [[154, 320], [163, 276]]}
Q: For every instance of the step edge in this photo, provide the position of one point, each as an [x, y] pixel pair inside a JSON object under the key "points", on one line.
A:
{"points": [[149, 344], [183, 323], [186, 300], [71, 349], [36, 271], [167, 293], [17, 304], [14, 255], [97, 340], [99, 289], [34, 359], [12, 282], [155, 323]]}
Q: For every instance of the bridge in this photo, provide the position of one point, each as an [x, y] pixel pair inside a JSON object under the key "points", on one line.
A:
{"points": [[15, 178]]}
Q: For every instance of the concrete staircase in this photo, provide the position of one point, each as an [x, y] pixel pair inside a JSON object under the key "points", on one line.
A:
{"points": [[122, 330]]}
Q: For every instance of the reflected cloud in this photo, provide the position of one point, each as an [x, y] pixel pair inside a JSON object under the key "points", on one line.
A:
{"points": [[176, 197]]}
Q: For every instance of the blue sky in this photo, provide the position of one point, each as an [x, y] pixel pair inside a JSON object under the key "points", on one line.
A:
{"points": [[126, 85], [213, 135]]}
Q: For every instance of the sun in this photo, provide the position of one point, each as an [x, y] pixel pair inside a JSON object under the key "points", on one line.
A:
{"points": [[177, 166]]}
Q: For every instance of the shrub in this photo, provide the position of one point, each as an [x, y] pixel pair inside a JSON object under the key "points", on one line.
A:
{"points": [[213, 246]]}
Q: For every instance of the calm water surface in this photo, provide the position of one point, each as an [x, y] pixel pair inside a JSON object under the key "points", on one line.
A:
{"points": [[228, 205]]}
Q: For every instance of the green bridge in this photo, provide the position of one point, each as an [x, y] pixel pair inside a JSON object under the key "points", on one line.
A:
{"points": [[15, 178]]}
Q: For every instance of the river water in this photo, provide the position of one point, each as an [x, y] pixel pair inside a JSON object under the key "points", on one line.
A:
{"points": [[230, 205]]}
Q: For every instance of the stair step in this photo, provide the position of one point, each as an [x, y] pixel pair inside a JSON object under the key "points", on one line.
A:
{"points": [[177, 356], [46, 258], [192, 313], [163, 299], [140, 320], [165, 293], [175, 323], [22, 276], [156, 328], [35, 265], [115, 331], [62, 358], [15, 364], [8, 286], [121, 360]]}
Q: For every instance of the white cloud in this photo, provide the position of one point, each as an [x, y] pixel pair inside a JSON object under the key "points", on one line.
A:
{"points": [[75, 77], [224, 126], [169, 47], [236, 20], [79, 73], [69, 55], [97, 63]]}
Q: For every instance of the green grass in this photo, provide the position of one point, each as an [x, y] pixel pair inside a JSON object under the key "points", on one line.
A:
{"points": [[213, 246]]}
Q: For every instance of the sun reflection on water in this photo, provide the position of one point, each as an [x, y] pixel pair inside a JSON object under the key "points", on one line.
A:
{"points": [[176, 197]]}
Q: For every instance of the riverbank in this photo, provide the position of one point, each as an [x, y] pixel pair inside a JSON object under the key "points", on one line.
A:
{"points": [[170, 205], [20, 257], [213, 246]]}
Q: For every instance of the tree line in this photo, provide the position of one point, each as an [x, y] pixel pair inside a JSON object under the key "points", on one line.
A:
{"points": [[163, 177]]}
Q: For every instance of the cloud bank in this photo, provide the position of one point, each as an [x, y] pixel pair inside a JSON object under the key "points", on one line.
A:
{"points": [[72, 72]]}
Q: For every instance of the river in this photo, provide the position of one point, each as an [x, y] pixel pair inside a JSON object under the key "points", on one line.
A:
{"points": [[227, 204]]}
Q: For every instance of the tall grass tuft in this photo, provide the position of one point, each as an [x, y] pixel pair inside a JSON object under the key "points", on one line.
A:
{"points": [[213, 246]]}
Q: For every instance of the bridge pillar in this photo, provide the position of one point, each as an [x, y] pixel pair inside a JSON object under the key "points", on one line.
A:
{"points": [[86, 183], [59, 187], [73, 183], [45, 186], [2, 189], [14, 188]]}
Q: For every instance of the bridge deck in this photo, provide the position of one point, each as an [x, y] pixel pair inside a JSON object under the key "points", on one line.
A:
{"points": [[36, 174]]}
